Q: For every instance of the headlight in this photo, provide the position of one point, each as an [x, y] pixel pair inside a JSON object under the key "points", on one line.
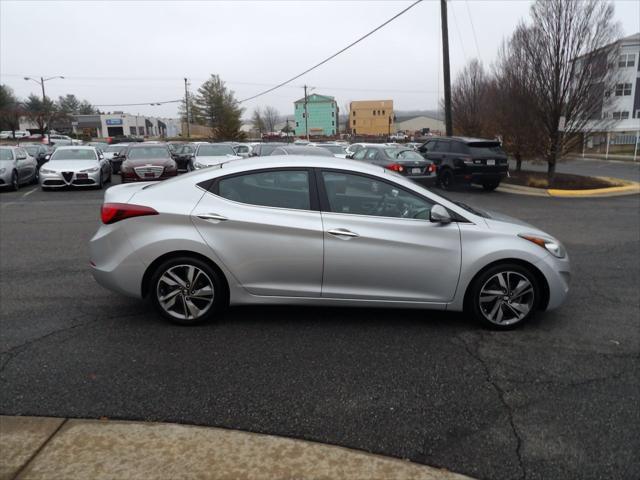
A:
{"points": [[47, 172], [552, 246], [2, 170], [90, 170]]}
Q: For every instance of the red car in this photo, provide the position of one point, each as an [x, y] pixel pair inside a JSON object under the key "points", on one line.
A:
{"points": [[147, 162]]}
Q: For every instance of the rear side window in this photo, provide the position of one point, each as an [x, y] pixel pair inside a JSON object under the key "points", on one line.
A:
{"points": [[278, 188], [442, 146], [457, 147]]}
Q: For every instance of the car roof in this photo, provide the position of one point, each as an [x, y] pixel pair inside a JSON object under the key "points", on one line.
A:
{"points": [[465, 139], [75, 147], [303, 148]]}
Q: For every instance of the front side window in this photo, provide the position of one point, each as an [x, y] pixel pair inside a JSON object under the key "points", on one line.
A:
{"points": [[73, 154], [279, 188], [359, 155], [443, 146], [5, 154], [359, 195], [371, 154]]}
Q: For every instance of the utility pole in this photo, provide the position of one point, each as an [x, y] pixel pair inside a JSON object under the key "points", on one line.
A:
{"points": [[445, 67], [186, 106], [44, 101], [306, 115]]}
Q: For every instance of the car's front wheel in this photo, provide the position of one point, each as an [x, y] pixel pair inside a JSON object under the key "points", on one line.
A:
{"points": [[490, 186], [504, 296], [187, 291]]}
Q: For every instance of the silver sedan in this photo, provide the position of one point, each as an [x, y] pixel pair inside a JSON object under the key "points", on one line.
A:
{"points": [[76, 166], [310, 230], [17, 167]]}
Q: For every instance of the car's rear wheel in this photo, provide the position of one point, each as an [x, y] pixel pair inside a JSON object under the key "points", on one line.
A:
{"points": [[187, 291], [446, 179], [504, 296], [490, 186]]}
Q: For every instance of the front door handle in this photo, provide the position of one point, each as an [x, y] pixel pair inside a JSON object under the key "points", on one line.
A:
{"points": [[211, 216], [342, 232]]}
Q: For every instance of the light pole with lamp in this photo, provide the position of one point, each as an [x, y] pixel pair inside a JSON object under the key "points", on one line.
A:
{"points": [[44, 99]]}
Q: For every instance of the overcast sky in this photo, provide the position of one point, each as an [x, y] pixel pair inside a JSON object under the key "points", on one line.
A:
{"points": [[132, 52]]}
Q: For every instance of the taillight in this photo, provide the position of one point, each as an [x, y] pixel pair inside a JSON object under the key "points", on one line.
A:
{"points": [[395, 167], [432, 168], [114, 212]]}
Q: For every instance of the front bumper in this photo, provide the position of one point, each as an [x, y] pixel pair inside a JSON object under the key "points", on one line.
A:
{"points": [[557, 273], [69, 179]]}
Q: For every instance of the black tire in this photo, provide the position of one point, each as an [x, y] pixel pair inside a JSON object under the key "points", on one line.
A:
{"points": [[446, 179], [15, 181], [101, 184], [481, 312], [157, 287], [36, 177], [490, 186]]}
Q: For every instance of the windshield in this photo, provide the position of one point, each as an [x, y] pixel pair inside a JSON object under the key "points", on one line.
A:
{"points": [[214, 150], [485, 148], [33, 150], [148, 152], [73, 154], [334, 148], [242, 149], [407, 155], [5, 154]]}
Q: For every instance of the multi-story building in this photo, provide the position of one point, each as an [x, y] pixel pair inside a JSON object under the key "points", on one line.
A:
{"points": [[371, 117], [615, 128], [321, 117]]}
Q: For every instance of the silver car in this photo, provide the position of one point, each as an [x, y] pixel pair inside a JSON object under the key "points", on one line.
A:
{"points": [[17, 167], [211, 154], [310, 230], [76, 166]]}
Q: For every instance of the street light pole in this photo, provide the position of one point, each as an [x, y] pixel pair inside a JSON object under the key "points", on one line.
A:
{"points": [[44, 100], [306, 115], [445, 68]]}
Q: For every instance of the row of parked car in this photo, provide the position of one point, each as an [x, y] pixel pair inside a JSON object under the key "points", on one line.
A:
{"points": [[441, 161]]}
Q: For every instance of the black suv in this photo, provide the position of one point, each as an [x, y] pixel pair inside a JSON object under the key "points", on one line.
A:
{"points": [[467, 160]]}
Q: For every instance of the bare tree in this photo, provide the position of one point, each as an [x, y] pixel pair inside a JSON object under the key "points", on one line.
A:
{"points": [[567, 50], [257, 121], [468, 100], [271, 117], [11, 109]]}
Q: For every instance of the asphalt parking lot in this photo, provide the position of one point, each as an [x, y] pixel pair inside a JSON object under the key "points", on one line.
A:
{"points": [[555, 399]]}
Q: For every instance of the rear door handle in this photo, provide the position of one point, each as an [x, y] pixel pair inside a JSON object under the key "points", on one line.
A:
{"points": [[211, 216], [342, 232]]}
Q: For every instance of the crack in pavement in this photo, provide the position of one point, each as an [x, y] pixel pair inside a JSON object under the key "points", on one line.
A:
{"points": [[501, 395]]}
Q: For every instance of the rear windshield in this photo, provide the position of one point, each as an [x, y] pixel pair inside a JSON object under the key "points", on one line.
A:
{"points": [[338, 149], [5, 154], [408, 155], [73, 154], [485, 148], [148, 152], [214, 150]]}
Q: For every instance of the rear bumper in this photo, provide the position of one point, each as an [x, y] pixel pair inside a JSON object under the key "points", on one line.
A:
{"points": [[132, 177], [481, 176]]}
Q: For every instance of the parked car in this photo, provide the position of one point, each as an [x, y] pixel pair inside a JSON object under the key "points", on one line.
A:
{"points": [[147, 162], [259, 231], [398, 136], [58, 139], [404, 161], [467, 160], [182, 154], [17, 167], [7, 134], [211, 154], [115, 154], [99, 145], [354, 147], [75, 166], [302, 150], [37, 151], [265, 149]]}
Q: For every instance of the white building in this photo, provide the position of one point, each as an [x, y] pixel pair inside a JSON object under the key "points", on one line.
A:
{"points": [[618, 129]]}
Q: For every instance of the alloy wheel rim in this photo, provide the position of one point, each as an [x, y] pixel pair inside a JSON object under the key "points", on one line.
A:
{"points": [[506, 298], [185, 292]]}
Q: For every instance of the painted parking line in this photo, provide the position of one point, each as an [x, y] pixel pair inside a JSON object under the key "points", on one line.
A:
{"points": [[30, 192]]}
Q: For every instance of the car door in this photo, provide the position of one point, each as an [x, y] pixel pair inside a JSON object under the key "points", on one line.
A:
{"points": [[26, 168], [380, 245], [265, 227]]}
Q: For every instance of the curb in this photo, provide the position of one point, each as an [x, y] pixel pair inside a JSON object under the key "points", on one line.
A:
{"points": [[627, 188], [42, 447]]}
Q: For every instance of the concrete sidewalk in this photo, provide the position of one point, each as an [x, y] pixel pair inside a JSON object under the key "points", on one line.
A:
{"points": [[57, 448]]}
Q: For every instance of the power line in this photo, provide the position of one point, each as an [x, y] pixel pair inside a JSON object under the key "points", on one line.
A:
{"points": [[139, 104], [455, 22], [473, 29], [332, 56]]}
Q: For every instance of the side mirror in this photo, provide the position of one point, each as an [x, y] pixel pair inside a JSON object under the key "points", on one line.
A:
{"points": [[47, 157], [439, 214], [422, 149]]}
